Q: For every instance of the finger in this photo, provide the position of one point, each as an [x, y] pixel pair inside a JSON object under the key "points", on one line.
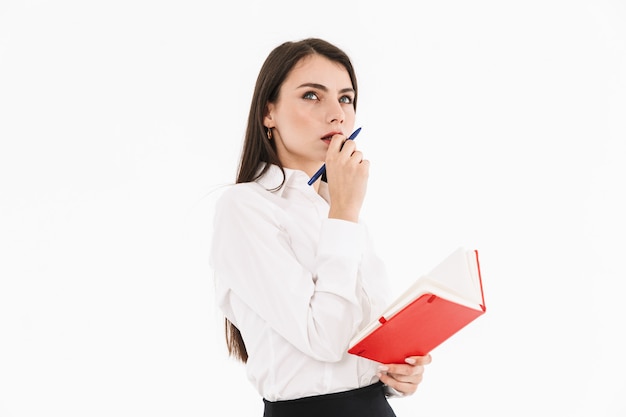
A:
{"points": [[411, 362], [406, 370], [357, 156], [336, 143], [406, 388], [419, 360], [348, 147], [411, 379], [401, 369], [395, 379]]}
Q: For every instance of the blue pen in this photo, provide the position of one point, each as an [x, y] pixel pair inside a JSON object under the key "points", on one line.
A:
{"points": [[323, 168]]}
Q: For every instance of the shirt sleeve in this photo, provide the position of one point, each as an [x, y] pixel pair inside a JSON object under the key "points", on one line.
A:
{"points": [[316, 310]]}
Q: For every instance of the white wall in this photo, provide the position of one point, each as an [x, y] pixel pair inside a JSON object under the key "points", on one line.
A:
{"points": [[495, 125]]}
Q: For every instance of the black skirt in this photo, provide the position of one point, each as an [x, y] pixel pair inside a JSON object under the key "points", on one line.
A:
{"points": [[368, 401]]}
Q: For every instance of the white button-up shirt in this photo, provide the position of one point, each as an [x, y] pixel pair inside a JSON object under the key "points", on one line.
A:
{"points": [[297, 284]]}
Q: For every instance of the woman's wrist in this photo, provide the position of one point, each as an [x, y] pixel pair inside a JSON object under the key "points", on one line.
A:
{"points": [[351, 215]]}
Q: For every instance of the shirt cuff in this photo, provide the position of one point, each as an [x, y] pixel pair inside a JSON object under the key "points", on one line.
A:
{"points": [[341, 237], [392, 392]]}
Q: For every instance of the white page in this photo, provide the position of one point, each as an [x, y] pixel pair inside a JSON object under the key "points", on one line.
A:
{"points": [[458, 275]]}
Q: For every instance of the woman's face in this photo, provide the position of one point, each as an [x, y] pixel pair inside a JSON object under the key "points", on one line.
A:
{"points": [[314, 102]]}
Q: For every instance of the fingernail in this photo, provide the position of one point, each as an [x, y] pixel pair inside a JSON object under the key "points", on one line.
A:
{"points": [[410, 361], [383, 368]]}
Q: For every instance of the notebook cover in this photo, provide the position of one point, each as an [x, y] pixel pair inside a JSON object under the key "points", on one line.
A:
{"points": [[416, 330]]}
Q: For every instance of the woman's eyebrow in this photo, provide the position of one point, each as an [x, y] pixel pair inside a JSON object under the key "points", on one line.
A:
{"points": [[324, 88]]}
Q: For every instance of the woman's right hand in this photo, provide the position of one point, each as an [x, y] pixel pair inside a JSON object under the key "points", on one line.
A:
{"points": [[347, 173]]}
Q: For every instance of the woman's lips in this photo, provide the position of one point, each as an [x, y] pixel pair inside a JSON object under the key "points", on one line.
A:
{"points": [[327, 138]]}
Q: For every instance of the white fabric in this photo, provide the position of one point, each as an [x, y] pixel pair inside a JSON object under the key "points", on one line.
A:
{"points": [[297, 284]]}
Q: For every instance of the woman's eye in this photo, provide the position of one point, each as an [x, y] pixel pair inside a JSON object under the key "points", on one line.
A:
{"points": [[310, 96], [345, 100]]}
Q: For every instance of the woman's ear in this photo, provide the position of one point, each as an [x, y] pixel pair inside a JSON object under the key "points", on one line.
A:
{"points": [[268, 120]]}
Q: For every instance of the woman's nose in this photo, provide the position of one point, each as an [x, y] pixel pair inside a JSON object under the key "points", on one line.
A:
{"points": [[335, 113]]}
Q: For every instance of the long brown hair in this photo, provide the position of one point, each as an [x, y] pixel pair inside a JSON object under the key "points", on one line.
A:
{"points": [[256, 147]]}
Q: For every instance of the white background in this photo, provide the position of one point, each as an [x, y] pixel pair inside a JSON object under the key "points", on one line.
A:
{"points": [[494, 125]]}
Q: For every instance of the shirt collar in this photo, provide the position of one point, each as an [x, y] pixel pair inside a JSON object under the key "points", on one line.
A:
{"points": [[294, 178]]}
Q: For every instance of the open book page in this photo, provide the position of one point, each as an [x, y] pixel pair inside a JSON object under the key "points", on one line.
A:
{"points": [[456, 279], [458, 275]]}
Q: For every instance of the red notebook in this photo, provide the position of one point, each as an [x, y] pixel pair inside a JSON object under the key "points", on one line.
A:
{"points": [[437, 306]]}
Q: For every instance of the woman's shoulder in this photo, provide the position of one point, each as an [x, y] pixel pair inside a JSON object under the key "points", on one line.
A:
{"points": [[245, 193], [265, 189], [242, 190]]}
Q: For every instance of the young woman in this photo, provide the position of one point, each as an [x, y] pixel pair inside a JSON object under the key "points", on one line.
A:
{"points": [[295, 271]]}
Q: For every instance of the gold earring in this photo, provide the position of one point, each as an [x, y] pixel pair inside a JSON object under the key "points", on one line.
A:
{"points": [[269, 133]]}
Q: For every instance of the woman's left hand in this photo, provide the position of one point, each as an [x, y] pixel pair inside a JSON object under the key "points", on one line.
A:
{"points": [[404, 378]]}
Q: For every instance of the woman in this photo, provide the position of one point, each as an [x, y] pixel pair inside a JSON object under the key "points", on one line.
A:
{"points": [[295, 272]]}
